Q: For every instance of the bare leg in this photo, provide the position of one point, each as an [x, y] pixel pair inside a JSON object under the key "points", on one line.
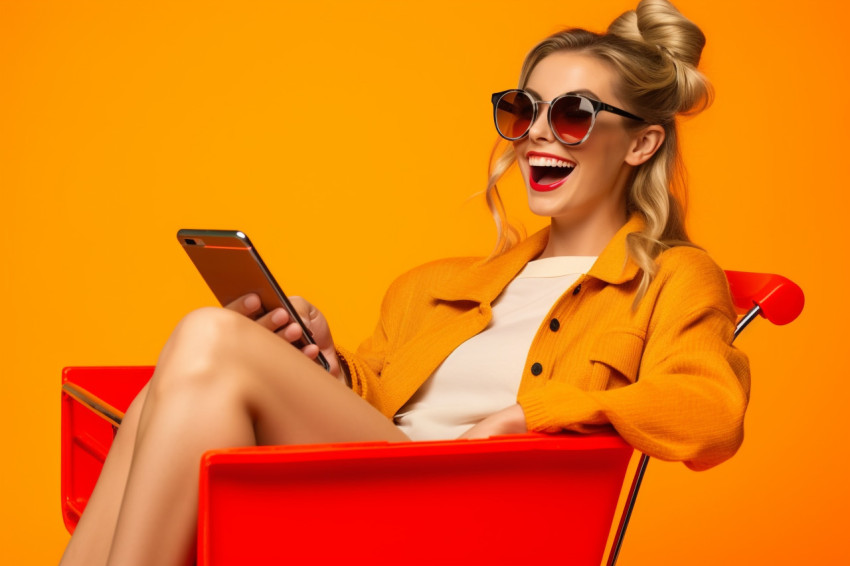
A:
{"points": [[101, 514], [222, 380]]}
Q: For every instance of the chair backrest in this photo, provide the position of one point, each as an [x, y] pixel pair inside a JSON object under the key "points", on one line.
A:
{"points": [[779, 299]]}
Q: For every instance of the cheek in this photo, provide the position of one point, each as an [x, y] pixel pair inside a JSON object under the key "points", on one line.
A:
{"points": [[522, 162], [519, 147], [608, 155]]}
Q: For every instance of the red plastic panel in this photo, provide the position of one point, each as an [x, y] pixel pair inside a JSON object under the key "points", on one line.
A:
{"points": [[781, 300], [531, 499], [86, 437]]}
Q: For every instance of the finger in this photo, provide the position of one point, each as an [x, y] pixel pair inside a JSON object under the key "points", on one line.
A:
{"points": [[247, 305], [304, 309], [291, 332], [317, 326], [274, 320], [311, 351]]}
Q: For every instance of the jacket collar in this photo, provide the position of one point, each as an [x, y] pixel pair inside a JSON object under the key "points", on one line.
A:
{"points": [[485, 280]]}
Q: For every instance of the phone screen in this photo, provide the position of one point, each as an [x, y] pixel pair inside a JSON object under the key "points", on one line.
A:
{"points": [[232, 268]]}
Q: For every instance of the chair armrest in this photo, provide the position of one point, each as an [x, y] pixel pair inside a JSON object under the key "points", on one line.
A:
{"points": [[94, 400], [93, 403]]}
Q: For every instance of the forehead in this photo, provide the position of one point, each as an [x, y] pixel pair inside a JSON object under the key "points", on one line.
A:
{"points": [[568, 71]]}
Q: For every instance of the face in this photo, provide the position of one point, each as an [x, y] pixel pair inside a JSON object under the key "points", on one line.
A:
{"points": [[582, 183]]}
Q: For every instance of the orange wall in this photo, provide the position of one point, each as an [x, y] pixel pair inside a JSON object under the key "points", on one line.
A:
{"points": [[347, 141]]}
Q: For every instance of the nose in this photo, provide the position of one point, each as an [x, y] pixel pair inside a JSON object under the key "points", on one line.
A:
{"points": [[540, 129]]}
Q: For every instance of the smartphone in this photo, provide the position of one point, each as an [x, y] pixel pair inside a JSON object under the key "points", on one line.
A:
{"points": [[231, 266]]}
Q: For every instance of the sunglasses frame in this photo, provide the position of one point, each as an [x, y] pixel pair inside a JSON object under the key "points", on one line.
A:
{"points": [[597, 106]]}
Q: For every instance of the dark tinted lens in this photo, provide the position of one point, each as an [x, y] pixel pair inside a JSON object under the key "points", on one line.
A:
{"points": [[514, 114], [572, 117]]}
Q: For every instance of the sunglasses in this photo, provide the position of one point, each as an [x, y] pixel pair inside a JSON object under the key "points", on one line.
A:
{"points": [[571, 116]]}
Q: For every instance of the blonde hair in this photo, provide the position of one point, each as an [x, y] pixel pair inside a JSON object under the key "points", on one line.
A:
{"points": [[655, 51]]}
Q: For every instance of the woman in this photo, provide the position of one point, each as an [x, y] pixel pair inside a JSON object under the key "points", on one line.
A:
{"points": [[548, 334]]}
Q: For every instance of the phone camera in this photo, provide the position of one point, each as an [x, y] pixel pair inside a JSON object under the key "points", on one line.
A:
{"points": [[190, 241]]}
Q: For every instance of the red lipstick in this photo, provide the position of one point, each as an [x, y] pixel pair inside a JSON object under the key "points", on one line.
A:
{"points": [[549, 172]]}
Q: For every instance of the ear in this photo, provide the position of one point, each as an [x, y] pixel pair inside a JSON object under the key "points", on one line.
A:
{"points": [[644, 144]]}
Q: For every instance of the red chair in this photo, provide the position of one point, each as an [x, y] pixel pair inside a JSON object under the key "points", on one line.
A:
{"points": [[312, 504]]}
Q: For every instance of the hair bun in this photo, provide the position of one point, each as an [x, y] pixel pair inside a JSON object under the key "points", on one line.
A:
{"points": [[659, 25]]}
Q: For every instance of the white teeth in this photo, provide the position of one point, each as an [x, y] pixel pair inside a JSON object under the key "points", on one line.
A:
{"points": [[538, 161]]}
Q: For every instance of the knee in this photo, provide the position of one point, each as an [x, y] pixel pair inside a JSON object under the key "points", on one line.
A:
{"points": [[199, 349]]}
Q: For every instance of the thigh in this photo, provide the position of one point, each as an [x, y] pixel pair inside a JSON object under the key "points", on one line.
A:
{"points": [[289, 398]]}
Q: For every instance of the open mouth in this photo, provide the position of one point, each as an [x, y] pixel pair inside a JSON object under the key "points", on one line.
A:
{"points": [[548, 173]]}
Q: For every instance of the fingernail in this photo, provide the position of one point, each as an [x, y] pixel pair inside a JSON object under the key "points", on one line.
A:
{"points": [[252, 301]]}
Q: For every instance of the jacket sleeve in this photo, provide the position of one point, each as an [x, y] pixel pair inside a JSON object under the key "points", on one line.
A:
{"points": [[692, 390], [364, 367], [366, 364]]}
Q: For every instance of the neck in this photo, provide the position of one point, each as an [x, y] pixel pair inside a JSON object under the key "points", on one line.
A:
{"points": [[585, 237]]}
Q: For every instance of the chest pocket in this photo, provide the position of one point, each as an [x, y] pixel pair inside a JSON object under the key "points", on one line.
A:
{"points": [[615, 357]]}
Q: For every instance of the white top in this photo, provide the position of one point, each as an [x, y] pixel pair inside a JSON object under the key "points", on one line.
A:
{"points": [[482, 375]]}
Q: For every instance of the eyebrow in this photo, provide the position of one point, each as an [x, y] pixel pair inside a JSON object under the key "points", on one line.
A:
{"points": [[585, 92], [580, 92]]}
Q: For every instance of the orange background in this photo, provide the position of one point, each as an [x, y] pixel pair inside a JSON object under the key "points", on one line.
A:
{"points": [[349, 142]]}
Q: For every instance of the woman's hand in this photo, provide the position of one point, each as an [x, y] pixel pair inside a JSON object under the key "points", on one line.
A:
{"points": [[510, 420], [279, 322]]}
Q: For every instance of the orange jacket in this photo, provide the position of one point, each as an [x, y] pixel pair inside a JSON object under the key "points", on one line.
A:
{"points": [[582, 371]]}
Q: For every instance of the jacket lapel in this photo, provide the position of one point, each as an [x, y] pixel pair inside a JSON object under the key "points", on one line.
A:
{"points": [[614, 265], [485, 280]]}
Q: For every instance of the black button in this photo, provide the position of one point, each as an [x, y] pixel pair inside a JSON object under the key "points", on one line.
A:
{"points": [[577, 290], [554, 325], [536, 369]]}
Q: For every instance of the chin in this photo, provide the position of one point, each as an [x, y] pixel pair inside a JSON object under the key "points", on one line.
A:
{"points": [[549, 210]]}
